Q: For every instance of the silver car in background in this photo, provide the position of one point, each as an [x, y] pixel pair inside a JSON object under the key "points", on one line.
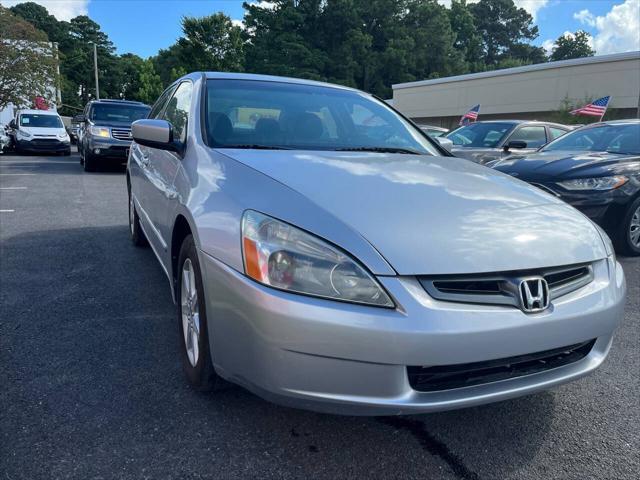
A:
{"points": [[327, 255], [491, 140]]}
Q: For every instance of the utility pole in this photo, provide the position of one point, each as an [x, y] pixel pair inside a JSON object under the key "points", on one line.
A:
{"points": [[95, 68]]}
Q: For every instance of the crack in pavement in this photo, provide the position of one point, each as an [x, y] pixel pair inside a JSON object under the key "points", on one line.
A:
{"points": [[431, 444]]}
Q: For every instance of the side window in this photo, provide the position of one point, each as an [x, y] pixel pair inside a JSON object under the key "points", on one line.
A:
{"points": [[160, 103], [177, 111], [534, 136], [556, 132]]}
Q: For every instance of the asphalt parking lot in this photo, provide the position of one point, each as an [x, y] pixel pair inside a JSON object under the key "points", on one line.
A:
{"points": [[91, 385]]}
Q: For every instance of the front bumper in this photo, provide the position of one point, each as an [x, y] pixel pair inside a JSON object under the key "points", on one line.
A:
{"points": [[109, 148], [43, 145], [349, 359]]}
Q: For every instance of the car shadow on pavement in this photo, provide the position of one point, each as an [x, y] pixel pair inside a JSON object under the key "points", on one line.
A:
{"points": [[101, 388]]}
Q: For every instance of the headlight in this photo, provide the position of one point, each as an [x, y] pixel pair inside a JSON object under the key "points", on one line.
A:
{"points": [[23, 134], [599, 183], [282, 256], [63, 136], [99, 132]]}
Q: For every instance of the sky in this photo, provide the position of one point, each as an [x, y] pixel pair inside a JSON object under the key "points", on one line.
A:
{"points": [[145, 26]]}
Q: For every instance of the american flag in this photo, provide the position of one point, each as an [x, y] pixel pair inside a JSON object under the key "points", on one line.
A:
{"points": [[470, 116], [595, 109]]}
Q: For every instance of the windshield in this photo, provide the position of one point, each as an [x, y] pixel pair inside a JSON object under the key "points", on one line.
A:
{"points": [[481, 135], [40, 121], [256, 114], [623, 138], [103, 112]]}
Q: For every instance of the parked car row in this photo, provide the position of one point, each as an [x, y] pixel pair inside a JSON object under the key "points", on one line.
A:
{"points": [[102, 131], [328, 254]]}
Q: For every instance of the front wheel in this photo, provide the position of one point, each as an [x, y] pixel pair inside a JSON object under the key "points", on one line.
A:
{"points": [[89, 163], [192, 319], [628, 237], [137, 235]]}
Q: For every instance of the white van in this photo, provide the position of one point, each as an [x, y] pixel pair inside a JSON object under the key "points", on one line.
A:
{"points": [[40, 131]]}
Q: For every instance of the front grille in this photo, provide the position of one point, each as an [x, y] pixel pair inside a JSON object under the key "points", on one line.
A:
{"points": [[447, 377], [502, 288], [121, 133], [44, 141]]}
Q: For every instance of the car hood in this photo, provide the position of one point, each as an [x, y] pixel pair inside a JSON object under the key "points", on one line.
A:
{"points": [[43, 131], [478, 155], [112, 124], [563, 165], [435, 215]]}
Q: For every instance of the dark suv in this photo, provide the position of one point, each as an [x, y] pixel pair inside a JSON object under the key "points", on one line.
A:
{"points": [[105, 131]]}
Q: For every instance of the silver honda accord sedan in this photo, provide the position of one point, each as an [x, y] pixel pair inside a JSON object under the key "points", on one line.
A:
{"points": [[326, 254]]}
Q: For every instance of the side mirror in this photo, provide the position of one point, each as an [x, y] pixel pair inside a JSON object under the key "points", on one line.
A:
{"points": [[12, 124], [155, 134], [517, 144], [445, 143]]}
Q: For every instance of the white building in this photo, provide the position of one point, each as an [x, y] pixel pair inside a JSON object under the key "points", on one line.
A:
{"points": [[529, 92]]}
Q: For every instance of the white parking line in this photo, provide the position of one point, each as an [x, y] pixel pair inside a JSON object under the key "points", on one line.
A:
{"points": [[7, 174], [13, 188], [7, 211]]}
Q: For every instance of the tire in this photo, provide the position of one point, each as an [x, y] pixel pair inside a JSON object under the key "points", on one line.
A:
{"points": [[89, 163], [192, 322], [67, 153], [627, 239], [135, 230]]}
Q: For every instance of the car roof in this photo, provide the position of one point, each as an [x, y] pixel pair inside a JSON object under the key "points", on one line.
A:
{"points": [[38, 112], [520, 121], [271, 78], [124, 102], [629, 121]]}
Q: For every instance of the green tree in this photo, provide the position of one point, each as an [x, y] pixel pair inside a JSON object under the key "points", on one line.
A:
{"points": [[577, 45], [39, 17], [212, 43], [468, 41], [27, 62], [150, 83], [208, 43], [278, 39], [503, 27]]}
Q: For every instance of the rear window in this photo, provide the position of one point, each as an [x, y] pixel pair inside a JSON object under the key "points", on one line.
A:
{"points": [[40, 121], [102, 112]]}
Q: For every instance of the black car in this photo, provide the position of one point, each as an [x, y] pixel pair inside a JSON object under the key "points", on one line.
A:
{"points": [[105, 131], [596, 169]]}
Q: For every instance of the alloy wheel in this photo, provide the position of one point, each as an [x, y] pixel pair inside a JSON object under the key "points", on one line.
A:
{"points": [[634, 228], [190, 312]]}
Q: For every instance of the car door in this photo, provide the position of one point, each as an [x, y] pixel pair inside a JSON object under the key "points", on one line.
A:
{"points": [[140, 174], [162, 167]]}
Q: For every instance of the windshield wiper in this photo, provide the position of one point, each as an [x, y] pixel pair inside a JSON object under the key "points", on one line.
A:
{"points": [[254, 146], [380, 150]]}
